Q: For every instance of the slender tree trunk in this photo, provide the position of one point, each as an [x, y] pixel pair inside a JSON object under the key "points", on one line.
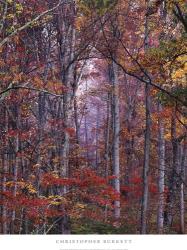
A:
{"points": [[146, 162], [76, 121], [107, 136], [97, 157], [116, 131], [173, 174], [67, 36], [5, 171], [182, 209], [86, 139], [15, 169], [161, 148], [67, 101], [161, 172], [147, 144], [107, 147], [182, 188]]}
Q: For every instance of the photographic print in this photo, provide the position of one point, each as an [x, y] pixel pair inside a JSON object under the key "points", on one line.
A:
{"points": [[93, 121]]}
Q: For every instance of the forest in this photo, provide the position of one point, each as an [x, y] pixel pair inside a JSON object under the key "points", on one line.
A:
{"points": [[93, 117]]}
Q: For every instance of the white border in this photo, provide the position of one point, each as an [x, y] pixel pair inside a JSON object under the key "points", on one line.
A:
{"points": [[93, 242]]}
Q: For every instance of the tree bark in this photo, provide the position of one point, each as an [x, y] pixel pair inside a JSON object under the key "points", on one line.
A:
{"points": [[107, 136], [173, 174], [15, 167], [67, 36], [116, 131], [147, 144], [161, 172], [182, 188], [97, 156], [5, 171]]}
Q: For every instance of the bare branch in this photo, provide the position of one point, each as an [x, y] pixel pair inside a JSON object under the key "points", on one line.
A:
{"points": [[6, 39], [29, 88]]}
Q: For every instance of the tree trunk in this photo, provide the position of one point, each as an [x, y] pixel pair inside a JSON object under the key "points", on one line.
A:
{"points": [[161, 172], [5, 171], [15, 168], [107, 136], [147, 144], [173, 174], [116, 131], [67, 36], [97, 156], [182, 188], [146, 162]]}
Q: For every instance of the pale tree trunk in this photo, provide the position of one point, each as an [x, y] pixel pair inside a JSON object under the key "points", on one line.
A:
{"points": [[5, 171], [107, 136], [86, 139], [116, 131], [25, 175], [146, 162], [182, 188], [107, 147], [67, 108], [97, 156], [67, 36], [41, 121], [182, 210], [147, 144], [161, 149], [161, 172], [75, 85], [173, 174], [15, 168], [76, 121]]}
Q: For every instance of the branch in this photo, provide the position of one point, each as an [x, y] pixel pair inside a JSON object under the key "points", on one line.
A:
{"points": [[178, 13], [6, 39], [29, 88], [145, 79]]}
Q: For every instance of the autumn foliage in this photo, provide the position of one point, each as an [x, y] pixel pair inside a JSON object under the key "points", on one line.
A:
{"points": [[93, 116]]}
